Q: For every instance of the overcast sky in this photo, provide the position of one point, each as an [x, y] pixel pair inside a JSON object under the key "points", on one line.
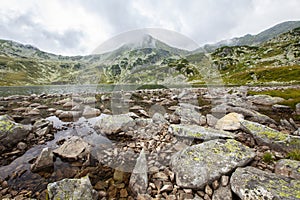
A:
{"points": [[72, 27]]}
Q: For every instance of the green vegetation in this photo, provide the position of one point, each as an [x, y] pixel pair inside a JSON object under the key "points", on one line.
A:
{"points": [[291, 96], [267, 157], [294, 154]]}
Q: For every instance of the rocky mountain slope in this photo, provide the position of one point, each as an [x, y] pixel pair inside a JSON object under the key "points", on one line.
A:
{"points": [[274, 60]]}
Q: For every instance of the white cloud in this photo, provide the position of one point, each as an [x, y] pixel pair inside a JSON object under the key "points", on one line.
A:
{"points": [[77, 27]]}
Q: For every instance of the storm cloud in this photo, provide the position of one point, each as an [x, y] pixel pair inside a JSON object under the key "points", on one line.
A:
{"points": [[73, 27]]}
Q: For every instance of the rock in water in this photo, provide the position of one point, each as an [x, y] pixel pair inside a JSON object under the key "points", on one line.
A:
{"points": [[270, 137], [11, 132], [73, 148], [76, 189], [199, 132], [230, 122], [201, 164], [44, 161], [139, 179], [252, 183], [112, 124]]}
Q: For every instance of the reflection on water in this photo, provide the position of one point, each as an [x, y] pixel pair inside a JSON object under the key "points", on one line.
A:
{"points": [[19, 170]]}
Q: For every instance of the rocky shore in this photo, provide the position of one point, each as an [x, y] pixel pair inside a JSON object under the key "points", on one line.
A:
{"points": [[196, 143]]}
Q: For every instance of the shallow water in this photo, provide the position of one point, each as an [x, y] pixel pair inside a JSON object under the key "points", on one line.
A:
{"points": [[20, 167]]}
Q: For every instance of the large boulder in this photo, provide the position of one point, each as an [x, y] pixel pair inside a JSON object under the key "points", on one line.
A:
{"points": [[75, 189], [74, 148], [252, 183], [265, 100], [289, 168], [112, 124], [230, 122], [11, 132], [270, 137], [198, 132], [201, 164]]}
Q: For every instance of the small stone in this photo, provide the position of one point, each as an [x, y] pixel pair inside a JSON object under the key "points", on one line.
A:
{"points": [[224, 180], [206, 197], [161, 176], [222, 193], [166, 188], [201, 193], [123, 193], [22, 146], [118, 175], [215, 184], [208, 190]]}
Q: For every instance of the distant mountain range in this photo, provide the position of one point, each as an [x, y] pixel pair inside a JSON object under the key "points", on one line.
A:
{"points": [[272, 56]]}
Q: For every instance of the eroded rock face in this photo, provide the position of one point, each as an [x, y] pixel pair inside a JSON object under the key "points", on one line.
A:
{"points": [[112, 124], [11, 132], [73, 148], [288, 168], [75, 189], [199, 132], [252, 183], [201, 164], [270, 137]]}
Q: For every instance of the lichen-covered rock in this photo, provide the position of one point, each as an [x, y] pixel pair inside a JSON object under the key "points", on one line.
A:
{"points": [[201, 164], [75, 189], [198, 132], [270, 137], [44, 161], [73, 148], [11, 132], [230, 122], [112, 124], [289, 168], [252, 183]]}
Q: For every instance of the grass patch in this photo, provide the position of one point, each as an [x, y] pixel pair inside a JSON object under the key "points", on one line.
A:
{"points": [[291, 95], [267, 157], [294, 154]]}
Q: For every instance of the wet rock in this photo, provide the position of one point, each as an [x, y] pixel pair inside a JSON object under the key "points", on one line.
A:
{"points": [[252, 183], [270, 137], [265, 100], [44, 161], [199, 132], [193, 170], [112, 124], [222, 193], [10, 132], [139, 179], [230, 122], [73, 148], [288, 168], [90, 112], [75, 189]]}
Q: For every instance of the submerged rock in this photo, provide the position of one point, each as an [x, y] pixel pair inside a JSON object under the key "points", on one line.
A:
{"points": [[11, 132], [75, 189], [112, 124], [201, 164], [289, 168], [44, 161], [270, 137], [73, 148], [252, 183], [198, 132]]}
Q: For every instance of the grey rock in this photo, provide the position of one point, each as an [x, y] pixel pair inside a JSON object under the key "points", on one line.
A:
{"points": [[11, 132], [112, 124], [252, 183], [211, 120], [159, 119], [90, 112], [265, 100], [75, 189], [138, 182], [194, 170], [44, 161], [188, 115], [270, 137], [230, 122], [73, 148], [288, 168], [222, 193], [199, 132], [298, 108], [68, 114], [281, 108]]}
